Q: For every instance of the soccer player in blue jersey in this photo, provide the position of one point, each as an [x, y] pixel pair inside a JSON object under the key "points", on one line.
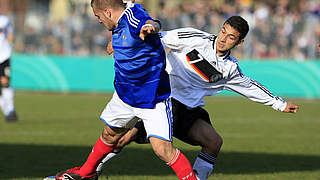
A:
{"points": [[142, 90]]}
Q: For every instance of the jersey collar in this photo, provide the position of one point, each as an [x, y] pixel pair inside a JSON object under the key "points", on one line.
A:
{"points": [[129, 4]]}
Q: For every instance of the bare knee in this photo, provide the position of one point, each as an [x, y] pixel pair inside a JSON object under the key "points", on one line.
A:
{"points": [[219, 141], [213, 145], [202, 133], [112, 135], [4, 81]]}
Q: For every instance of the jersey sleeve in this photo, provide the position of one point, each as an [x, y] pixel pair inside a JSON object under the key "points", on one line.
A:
{"points": [[170, 39], [253, 90], [179, 39], [136, 18]]}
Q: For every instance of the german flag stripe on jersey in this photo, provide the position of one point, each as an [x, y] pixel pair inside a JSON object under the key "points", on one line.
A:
{"points": [[197, 70], [203, 67]]}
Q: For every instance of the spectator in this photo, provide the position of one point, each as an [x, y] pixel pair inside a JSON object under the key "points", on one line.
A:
{"points": [[279, 29]]}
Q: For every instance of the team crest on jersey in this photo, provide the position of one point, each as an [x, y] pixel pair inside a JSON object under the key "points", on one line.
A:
{"points": [[124, 37], [206, 70]]}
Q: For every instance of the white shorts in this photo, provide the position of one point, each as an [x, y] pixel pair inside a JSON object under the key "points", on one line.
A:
{"points": [[157, 121]]}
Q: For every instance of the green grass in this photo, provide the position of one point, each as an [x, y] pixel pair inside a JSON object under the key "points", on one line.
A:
{"points": [[56, 132]]}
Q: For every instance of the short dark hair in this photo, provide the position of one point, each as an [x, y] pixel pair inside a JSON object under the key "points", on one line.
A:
{"points": [[101, 4], [239, 24]]}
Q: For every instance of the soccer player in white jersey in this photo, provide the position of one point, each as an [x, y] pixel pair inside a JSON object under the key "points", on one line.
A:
{"points": [[6, 92], [200, 64], [142, 90]]}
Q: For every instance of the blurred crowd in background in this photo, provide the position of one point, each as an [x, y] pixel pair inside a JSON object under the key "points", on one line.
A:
{"points": [[283, 29]]}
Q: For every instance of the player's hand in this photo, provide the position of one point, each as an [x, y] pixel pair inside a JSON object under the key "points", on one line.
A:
{"points": [[146, 30], [291, 108], [127, 138], [109, 48]]}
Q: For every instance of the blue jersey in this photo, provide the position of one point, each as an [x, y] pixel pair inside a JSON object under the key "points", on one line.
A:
{"points": [[140, 77]]}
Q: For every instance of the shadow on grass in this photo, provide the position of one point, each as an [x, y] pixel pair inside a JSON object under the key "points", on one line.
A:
{"points": [[32, 161]]}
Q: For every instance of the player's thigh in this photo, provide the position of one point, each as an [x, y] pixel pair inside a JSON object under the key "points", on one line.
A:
{"points": [[118, 114], [202, 133], [157, 121]]}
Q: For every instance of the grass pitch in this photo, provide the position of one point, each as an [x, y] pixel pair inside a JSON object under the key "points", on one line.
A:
{"points": [[56, 132]]}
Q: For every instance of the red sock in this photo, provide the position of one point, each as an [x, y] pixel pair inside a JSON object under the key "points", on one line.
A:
{"points": [[99, 151], [181, 165]]}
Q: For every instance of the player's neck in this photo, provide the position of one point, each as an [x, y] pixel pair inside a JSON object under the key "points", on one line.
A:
{"points": [[222, 53]]}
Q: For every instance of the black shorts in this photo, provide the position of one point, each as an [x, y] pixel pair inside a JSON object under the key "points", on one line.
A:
{"points": [[5, 68], [183, 119]]}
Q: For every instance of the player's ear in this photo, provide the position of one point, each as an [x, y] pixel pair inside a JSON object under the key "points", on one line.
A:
{"points": [[107, 12], [240, 42]]}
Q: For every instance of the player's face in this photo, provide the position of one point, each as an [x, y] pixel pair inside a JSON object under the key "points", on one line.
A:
{"points": [[228, 38], [104, 17]]}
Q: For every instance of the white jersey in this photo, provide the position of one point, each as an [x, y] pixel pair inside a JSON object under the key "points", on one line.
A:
{"points": [[196, 70], [5, 29]]}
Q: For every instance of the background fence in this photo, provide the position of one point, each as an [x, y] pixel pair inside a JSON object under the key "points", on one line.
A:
{"points": [[95, 74]]}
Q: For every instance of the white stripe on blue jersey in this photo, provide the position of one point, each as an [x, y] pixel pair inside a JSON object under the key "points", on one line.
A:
{"points": [[133, 21], [130, 22], [134, 18]]}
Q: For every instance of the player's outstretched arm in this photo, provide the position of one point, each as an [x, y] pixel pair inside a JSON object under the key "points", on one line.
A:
{"points": [[319, 48], [150, 27], [255, 91], [291, 108]]}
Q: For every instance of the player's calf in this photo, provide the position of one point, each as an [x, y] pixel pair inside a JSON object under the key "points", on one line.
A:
{"points": [[163, 149]]}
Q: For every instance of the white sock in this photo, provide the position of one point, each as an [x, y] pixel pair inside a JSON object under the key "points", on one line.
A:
{"points": [[202, 166], [8, 100]]}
